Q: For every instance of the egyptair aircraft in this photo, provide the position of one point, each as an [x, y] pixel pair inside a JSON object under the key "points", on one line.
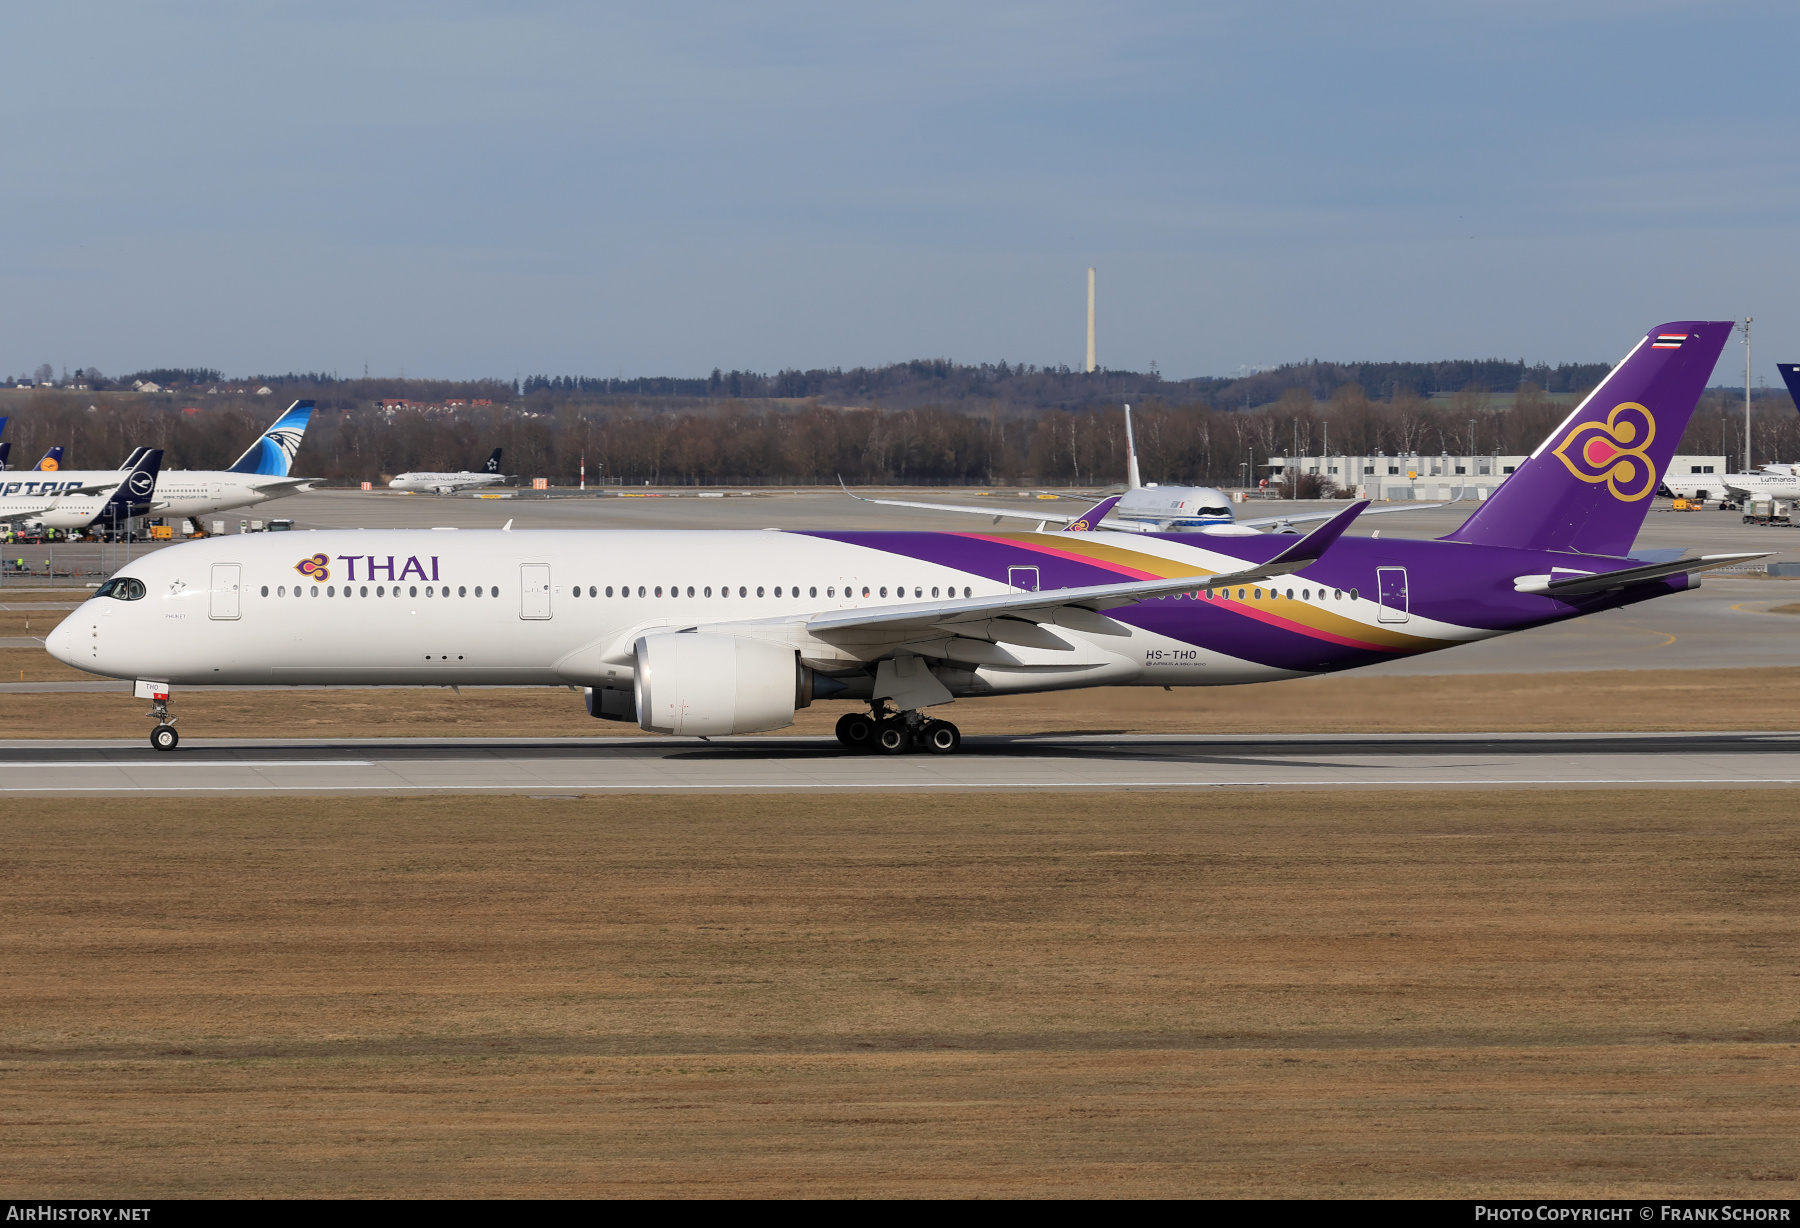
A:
{"points": [[450, 483], [708, 633], [257, 476]]}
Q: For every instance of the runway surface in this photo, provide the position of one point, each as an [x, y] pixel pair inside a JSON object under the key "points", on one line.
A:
{"points": [[792, 765]]}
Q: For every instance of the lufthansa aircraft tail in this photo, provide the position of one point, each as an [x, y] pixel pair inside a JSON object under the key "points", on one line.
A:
{"points": [[52, 461], [493, 463], [1790, 375], [272, 454], [1589, 485], [134, 496]]}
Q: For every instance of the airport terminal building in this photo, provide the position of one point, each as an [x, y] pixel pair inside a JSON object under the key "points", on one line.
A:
{"points": [[1434, 478]]}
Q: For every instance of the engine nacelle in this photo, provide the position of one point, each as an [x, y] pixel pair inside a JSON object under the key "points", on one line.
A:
{"points": [[694, 684]]}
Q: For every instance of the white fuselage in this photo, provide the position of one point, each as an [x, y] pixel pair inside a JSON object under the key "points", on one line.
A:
{"points": [[446, 483], [470, 607], [1762, 485], [179, 492], [1171, 509]]}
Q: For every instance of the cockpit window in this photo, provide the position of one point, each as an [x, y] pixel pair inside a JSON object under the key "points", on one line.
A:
{"points": [[122, 588]]}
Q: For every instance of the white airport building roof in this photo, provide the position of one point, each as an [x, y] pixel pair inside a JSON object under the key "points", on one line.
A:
{"points": [[1389, 478]]}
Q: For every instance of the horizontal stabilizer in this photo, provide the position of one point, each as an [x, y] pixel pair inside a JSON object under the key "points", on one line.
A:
{"points": [[1572, 585]]}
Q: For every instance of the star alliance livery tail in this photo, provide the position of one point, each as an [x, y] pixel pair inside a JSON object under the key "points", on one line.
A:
{"points": [[1588, 486], [272, 454], [1790, 375], [493, 463]]}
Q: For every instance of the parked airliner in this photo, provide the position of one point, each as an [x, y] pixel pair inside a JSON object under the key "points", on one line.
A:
{"points": [[709, 633], [1150, 508], [257, 476], [450, 483]]}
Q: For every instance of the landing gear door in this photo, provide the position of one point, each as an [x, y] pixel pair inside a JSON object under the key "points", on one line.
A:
{"points": [[227, 579], [1390, 583], [534, 590]]}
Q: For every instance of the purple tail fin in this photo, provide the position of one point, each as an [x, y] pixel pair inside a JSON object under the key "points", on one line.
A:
{"points": [[1089, 521], [1589, 485]]}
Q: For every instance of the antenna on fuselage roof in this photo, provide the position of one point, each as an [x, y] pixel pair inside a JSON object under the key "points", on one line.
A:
{"points": [[1132, 479]]}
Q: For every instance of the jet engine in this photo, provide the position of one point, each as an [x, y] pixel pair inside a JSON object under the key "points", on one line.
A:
{"points": [[698, 684]]}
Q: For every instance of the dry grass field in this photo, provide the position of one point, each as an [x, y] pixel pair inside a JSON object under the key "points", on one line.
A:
{"points": [[1515, 994], [1610, 700]]}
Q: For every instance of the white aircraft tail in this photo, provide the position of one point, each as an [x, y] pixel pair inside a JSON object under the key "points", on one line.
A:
{"points": [[1132, 479]]}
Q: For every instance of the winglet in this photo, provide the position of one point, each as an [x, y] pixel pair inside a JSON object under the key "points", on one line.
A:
{"points": [[1307, 550], [1090, 520]]}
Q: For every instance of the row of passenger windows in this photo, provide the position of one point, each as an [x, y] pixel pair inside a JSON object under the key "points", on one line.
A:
{"points": [[381, 590], [743, 590], [1274, 594]]}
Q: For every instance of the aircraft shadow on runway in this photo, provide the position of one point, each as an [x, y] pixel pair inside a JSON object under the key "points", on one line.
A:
{"points": [[1244, 751]]}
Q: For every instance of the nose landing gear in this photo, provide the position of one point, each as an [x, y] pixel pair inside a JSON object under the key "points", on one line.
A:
{"points": [[163, 737], [896, 733]]}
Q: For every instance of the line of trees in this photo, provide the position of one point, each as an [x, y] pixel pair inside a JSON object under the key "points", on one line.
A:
{"points": [[746, 442]]}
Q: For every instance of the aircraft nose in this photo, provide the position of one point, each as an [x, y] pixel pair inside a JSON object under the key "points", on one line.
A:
{"points": [[61, 643]]}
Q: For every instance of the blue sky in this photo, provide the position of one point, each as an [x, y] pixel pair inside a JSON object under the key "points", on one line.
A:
{"points": [[471, 189]]}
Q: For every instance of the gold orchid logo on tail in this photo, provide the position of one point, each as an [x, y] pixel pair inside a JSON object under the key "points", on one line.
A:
{"points": [[317, 566], [1614, 452]]}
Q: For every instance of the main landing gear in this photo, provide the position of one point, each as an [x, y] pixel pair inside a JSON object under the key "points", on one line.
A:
{"points": [[896, 733], [163, 737]]}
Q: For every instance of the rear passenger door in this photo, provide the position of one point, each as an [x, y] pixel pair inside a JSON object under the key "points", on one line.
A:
{"points": [[1390, 584], [534, 590]]}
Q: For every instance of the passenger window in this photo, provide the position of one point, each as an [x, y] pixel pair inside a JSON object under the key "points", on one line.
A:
{"points": [[281, 591], [265, 590], [412, 590], [934, 590], [1290, 594], [1306, 594], [1337, 594], [812, 592], [759, 591], [690, 590], [1354, 595], [659, 590], [831, 590], [364, 591], [965, 591], [918, 592], [865, 590], [576, 591], [315, 590], [330, 590], [460, 591], [609, 589], [778, 590], [428, 590], [884, 590], [1240, 594], [742, 591], [707, 591]]}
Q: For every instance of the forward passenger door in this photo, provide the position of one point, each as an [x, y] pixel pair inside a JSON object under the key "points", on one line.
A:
{"points": [[534, 590]]}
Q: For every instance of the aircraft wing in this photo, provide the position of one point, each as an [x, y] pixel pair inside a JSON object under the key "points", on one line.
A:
{"points": [[1375, 511], [1575, 585], [15, 512], [996, 512], [1085, 602]]}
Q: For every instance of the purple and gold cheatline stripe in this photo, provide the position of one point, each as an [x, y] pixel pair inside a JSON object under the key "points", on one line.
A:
{"points": [[1072, 562]]}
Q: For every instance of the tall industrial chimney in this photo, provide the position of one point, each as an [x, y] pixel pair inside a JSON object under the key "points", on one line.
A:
{"points": [[1090, 361]]}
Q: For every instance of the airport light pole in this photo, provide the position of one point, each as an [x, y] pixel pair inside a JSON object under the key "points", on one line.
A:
{"points": [[1747, 320]]}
